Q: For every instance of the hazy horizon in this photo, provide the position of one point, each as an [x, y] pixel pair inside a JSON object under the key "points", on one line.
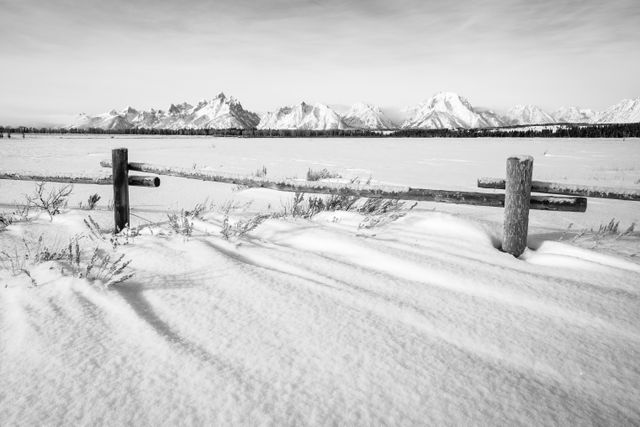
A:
{"points": [[64, 57]]}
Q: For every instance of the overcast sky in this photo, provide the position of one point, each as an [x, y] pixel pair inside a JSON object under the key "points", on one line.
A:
{"points": [[61, 57]]}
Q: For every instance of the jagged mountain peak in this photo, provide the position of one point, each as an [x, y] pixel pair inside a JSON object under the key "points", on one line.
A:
{"points": [[367, 116], [217, 113], [445, 101], [302, 116], [448, 110], [625, 111], [528, 115], [176, 109]]}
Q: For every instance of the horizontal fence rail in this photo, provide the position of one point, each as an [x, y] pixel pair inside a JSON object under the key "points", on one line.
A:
{"points": [[567, 189], [134, 180], [549, 203]]}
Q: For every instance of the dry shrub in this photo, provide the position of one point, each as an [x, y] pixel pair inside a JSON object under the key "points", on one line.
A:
{"points": [[51, 201], [102, 266], [317, 175]]}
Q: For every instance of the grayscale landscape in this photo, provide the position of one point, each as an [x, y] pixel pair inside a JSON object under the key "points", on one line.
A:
{"points": [[397, 213]]}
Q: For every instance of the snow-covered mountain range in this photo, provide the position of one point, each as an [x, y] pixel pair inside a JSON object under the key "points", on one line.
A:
{"points": [[217, 113], [303, 116], [447, 110], [443, 110]]}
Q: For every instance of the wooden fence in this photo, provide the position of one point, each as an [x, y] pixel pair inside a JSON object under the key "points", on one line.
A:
{"points": [[120, 180], [516, 200]]}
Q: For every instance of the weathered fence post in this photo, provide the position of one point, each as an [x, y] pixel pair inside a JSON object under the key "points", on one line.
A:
{"points": [[120, 161], [516, 204]]}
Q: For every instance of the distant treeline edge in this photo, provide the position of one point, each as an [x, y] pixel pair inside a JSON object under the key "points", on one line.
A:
{"points": [[622, 130]]}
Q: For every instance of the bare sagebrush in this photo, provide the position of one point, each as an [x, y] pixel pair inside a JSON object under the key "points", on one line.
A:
{"points": [[182, 222], [108, 269], [229, 206], [610, 230], [382, 211], [102, 266], [377, 211], [607, 229], [126, 236], [20, 214], [94, 229], [309, 207], [22, 260], [295, 206], [51, 201], [92, 201], [380, 206], [316, 204], [317, 175], [241, 227]]}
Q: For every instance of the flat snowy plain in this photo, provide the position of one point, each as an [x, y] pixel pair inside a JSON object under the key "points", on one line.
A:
{"points": [[419, 320]]}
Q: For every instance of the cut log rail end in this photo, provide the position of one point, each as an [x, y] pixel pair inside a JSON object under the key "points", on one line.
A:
{"points": [[567, 189]]}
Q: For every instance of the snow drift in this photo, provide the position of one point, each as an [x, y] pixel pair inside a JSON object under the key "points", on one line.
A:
{"points": [[338, 319]]}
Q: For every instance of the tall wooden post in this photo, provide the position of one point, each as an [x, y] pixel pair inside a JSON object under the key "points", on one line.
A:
{"points": [[120, 161], [516, 204]]}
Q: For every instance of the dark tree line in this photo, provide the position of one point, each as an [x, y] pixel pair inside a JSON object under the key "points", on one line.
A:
{"points": [[622, 130]]}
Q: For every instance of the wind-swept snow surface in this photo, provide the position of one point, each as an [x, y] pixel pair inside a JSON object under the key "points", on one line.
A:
{"points": [[331, 320], [315, 322]]}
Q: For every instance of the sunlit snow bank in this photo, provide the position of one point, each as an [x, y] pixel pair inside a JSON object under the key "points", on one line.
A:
{"points": [[322, 322], [335, 320]]}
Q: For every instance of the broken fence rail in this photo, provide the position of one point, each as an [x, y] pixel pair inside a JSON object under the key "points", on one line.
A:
{"points": [[549, 203]]}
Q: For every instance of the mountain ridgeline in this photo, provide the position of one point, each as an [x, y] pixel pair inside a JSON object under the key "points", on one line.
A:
{"points": [[443, 111]]}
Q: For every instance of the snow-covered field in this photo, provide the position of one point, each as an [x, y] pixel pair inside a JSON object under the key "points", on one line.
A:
{"points": [[333, 320]]}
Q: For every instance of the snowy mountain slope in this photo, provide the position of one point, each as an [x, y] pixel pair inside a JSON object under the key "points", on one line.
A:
{"points": [[220, 112], [107, 121], [491, 118], [303, 116], [447, 110], [574, 115], [366, 116], [528, 115], [626, 111]]}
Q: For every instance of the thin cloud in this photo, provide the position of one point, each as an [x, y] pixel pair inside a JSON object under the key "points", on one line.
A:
{"points": [[268, 52]]}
